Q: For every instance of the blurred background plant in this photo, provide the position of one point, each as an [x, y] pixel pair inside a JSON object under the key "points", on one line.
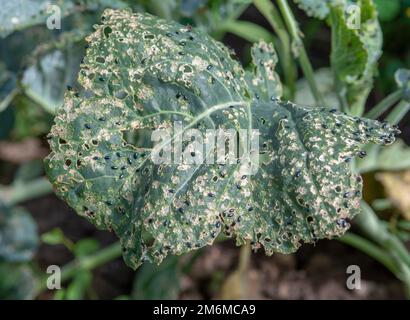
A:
{"points": [[36, 229]]}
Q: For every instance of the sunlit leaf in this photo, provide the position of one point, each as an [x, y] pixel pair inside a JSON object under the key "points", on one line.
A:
{"points": [[7, 93], [388, 10], [158, 282], [86, 247], [356, 45]]}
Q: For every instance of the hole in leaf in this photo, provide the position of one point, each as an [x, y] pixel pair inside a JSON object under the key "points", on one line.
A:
{"points": [[121, 94], [107, 31], [149, 36]]}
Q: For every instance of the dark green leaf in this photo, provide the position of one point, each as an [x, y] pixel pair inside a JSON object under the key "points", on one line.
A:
{"points": [[394, 157], [7, 94], [78, 286], [355, 51], [86, 247]]}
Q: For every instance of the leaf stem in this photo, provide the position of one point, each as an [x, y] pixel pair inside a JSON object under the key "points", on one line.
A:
{"points": [[247, 30], [244, 257], [370, 224], [20, 192], [370, 249], [384, 105], [378, 232], [8, 99], [299, 50], [398, 112]]}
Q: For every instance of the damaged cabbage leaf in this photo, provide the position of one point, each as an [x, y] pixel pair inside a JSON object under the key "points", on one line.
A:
{"points": [[142, 73], [355, 53], [264, 79]]}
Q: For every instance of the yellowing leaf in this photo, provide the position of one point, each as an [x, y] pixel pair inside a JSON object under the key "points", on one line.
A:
{"points": [[397, 187]]}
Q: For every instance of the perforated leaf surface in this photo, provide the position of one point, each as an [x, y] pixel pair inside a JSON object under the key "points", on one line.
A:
{"points": [[141, 72], [315, 8]]}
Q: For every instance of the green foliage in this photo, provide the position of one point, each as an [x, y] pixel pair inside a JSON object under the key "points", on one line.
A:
{"points": [[264, 81], [303, 191], [18, 241], [388, 10], [158, 282], [143, 73], [77, 288], [28, 171], [18, 234], [17, 281]]}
